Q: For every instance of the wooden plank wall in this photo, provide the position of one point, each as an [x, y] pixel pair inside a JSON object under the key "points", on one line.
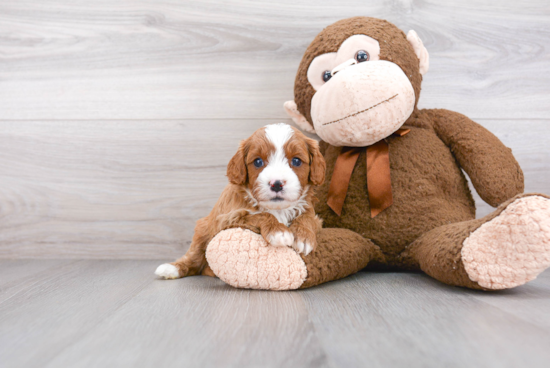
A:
{"points": [[117, 118]]}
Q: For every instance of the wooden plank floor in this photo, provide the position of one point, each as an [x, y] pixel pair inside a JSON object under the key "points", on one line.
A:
{"points": [[93, 313]]}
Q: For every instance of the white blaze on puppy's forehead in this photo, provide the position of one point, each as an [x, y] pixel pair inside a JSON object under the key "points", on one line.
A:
{"points": [[278, 134]]}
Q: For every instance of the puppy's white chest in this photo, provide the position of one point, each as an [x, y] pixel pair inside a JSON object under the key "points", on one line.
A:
{"points": [[285, 216]]}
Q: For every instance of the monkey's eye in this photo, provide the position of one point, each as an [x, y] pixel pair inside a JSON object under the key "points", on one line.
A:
{"points": [[296, 162], [361, 56], [258, 162], [327, 75]]}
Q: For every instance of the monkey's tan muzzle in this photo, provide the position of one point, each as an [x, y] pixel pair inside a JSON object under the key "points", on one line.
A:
{"points": [[362, 103]]}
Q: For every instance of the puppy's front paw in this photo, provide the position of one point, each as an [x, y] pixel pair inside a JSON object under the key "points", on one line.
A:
{"points": [[305, 240], [167, 271], [280, 238], [304, 246]]}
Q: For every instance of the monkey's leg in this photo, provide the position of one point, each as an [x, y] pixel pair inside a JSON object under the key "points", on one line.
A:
{"points": [[339, 253], [242, 259], [505, 249]]}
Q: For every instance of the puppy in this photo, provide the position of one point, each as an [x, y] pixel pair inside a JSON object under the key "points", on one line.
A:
{"points": [[270, 192]]}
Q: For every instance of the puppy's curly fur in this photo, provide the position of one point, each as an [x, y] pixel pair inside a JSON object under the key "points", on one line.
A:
{"points": [[270, 191]]}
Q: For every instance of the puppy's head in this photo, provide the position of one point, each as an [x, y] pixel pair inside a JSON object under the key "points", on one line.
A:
{"points": [[277, 164]]}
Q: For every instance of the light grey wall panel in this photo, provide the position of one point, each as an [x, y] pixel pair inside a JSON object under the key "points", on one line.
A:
{"points": [[134, 189], [176, 59]]}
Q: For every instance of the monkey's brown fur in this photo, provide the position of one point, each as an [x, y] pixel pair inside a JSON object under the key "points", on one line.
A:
{"points": [[433, 210]]}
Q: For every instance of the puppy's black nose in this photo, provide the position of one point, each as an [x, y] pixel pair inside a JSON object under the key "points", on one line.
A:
{"points": [[277, 186]]}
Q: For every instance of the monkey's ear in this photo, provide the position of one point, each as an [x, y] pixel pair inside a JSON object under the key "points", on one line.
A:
{"points": [[292, 111], [420, 51], [236, 169]]}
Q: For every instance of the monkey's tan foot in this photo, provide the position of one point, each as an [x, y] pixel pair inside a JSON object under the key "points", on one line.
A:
{"points": [[512, 248], [242, 259]]}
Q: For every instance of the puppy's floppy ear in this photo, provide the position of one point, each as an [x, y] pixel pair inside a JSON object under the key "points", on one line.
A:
{"points": [[236, 169], [317, 165]]}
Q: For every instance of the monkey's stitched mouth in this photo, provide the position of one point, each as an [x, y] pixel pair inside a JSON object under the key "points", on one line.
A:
{"points": [[362, 111]]}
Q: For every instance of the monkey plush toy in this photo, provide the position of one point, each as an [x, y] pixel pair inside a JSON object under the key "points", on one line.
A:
{"points": [[395, 195]]}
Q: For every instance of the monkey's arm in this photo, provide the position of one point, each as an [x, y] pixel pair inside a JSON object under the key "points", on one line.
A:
{"points": [[492, 168]]}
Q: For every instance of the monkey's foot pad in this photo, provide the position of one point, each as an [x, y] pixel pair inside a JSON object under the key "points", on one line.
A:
{"points": [[511, 249], [242, 259]]}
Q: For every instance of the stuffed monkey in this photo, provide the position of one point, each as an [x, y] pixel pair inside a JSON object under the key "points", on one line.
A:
{"points": [[395, 196]]}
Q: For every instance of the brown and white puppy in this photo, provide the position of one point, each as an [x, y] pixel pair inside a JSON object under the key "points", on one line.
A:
{"points": [[270, 191]]}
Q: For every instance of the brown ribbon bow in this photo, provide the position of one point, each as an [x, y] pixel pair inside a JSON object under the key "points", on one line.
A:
{"points": [[378, 176]]}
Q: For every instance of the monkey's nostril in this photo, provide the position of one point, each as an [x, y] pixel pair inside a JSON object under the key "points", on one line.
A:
{"points": [[277, 186]]}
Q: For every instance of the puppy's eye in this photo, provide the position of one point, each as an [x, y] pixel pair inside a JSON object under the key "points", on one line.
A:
{"points": [[361, 56], [258, 162], [327, 75], [296, 162]]}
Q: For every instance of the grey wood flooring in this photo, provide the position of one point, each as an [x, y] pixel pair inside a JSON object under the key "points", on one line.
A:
{"points": [[98, 313]]}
